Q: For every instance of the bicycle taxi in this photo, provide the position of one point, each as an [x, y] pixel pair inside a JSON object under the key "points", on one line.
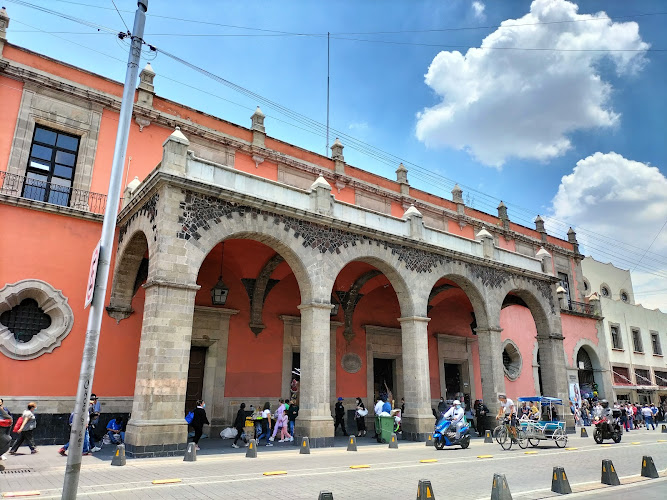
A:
{"points": [[548, 427]]}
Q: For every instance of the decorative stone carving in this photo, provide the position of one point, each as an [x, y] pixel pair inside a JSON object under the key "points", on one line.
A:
{"points": [[489, 276], [351, 362], [52, 302], [349, 301], [258, 289], [148, 209]]}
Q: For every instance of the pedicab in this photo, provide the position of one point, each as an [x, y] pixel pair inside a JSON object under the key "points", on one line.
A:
{"points": [[548, 428]]}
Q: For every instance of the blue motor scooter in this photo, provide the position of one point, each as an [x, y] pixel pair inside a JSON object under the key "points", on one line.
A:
{"points": [[443, 437]]}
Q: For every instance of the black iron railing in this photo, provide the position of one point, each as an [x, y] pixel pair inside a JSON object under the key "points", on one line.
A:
{"points": [[584, 308], [51, 192]]}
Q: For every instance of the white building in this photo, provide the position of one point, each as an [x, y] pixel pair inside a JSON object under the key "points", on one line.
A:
{"points": [[635, 336]]}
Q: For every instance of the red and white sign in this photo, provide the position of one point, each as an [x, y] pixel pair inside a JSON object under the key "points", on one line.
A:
{"points": [[92, 275]]}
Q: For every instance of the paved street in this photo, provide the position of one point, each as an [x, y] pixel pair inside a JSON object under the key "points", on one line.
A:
{"points": [[222, 472]]}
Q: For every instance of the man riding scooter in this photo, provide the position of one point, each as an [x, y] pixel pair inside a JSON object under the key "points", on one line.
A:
{"points": [[455, 415]]}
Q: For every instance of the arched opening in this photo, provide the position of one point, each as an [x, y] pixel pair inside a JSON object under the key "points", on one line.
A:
{"points": [[130, 272], [240, 347], [587, 366]]}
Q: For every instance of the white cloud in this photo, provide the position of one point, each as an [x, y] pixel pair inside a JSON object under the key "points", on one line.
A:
{"points": [[517, 103], [478, 9], [358, 126], [626, 201]]}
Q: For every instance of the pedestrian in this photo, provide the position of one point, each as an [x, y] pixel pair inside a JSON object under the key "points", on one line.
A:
{"points": [[292, 413], [266, 424], [199, 420], [239, 424], [647, 413], [481, 411], [6, 421], [285, 436], [339, 410], [86, 438], [360, 417], [28, 425], [442, 406], [94, 411], [280, 411]]}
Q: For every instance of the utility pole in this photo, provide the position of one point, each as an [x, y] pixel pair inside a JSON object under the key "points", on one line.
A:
{"points": [[73, 469], [326, 151]]}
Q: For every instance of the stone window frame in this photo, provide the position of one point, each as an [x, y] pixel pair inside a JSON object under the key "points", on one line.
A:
{"points": [[656, 336], [627, 296], [634, 330], [37, 108], [619, 337], [604, 286], [52, 302], [516, 360], [587, 286]]}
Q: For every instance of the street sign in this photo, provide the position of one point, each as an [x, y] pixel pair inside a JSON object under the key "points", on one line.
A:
{"points": [[92, 275]]}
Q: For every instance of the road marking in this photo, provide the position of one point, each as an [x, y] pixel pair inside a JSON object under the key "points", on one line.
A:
{"points": [[530, 452], [13, 494], [571, 449], [166, 481], [428, 461], [275, 473], [605, 445], [360, 466], [636, 442], [662, 440], [484, 456]]}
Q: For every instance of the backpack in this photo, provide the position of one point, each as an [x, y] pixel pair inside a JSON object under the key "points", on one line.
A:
{"points": [[189, 417], [18, 424]]}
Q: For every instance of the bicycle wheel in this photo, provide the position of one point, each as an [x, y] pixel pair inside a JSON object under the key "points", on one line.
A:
{"points": [[521, 439], [560, 438], [534, 442], [497, 431], [504, 439]]}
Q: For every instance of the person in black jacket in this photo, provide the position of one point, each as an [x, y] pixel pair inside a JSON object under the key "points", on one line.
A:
{"points": [[340, 417], [292, 413], [481, 412], [199, 420], [239, 424]]}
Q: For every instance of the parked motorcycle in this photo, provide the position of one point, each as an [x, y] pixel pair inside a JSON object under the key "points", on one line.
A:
{"points": [[608, 427], [442, 436]]}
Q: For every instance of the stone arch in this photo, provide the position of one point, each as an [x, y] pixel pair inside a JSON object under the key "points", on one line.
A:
{"points": [[384, 259], [130, 253], [301, 259], [538, 298]]}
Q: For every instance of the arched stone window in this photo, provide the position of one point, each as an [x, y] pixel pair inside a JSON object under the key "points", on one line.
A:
{"points": [[511, 360], [34, 319]]}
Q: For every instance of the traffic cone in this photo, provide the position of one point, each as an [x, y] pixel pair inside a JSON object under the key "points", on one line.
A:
{"points": [[305, 446], [584, 434], [609, 475], [251, 452], [648, 468], [393, 444], [425, 490], [559, 482], [500, 489], [119, 456], [191, 453], [325, 495], [352, 445], [487, 437], [429, 440]]}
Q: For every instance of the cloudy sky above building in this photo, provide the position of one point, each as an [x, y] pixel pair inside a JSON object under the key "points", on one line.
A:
{"points": [[548, 105]]}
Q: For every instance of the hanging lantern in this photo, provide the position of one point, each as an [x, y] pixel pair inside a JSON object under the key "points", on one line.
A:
{"points": [[220, 291]]}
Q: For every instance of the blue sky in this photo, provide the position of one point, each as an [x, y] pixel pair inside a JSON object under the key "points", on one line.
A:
{"points": [[508, 123]]}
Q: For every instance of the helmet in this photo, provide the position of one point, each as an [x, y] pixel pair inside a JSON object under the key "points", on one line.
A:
{"points": [[604, 403], [456, 402]]}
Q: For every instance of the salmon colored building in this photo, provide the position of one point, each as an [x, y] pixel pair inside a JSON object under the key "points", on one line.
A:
{"points": [[241, 258]]}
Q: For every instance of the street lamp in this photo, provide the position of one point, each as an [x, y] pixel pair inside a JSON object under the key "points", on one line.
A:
{"points": [[220, 291]]}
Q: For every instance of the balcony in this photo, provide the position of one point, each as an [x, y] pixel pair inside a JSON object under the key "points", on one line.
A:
{"points": [[51, 193], [583, 308]]}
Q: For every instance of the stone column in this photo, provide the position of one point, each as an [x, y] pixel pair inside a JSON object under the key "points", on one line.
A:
{"points": [[491, 369], [418, 420], [554, 373], [157, 426], [315, 420]]}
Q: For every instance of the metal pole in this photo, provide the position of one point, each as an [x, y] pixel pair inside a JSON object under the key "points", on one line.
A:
{"points": [[326, 151], [89, 357]]}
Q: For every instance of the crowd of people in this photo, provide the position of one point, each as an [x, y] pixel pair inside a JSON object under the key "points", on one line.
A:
{"points": [[633, 416]]}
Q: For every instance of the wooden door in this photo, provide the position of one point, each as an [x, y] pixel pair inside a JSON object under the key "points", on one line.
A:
{"points": [[195, 377]]}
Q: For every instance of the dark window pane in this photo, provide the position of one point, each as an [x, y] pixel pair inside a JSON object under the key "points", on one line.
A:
{"points": [[25, 320], [41, 152], [65, 158], [68, 142], [63, 171], [40, 164], [43, 135]]}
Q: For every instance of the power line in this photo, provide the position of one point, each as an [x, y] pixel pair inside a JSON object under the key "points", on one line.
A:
{"points": [[120, 15]]}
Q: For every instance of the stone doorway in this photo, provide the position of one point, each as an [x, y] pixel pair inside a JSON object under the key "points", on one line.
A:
{"points": [[384, 376], [195, 387], [453, 382]]}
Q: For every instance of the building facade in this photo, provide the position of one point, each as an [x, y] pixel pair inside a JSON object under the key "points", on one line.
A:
{"points": [[634, 336], [242, 260]]}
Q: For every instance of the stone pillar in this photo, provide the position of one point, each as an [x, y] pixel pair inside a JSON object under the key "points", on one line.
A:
{"points": [[4, 23], [487, 243], [337, 156], [315, 420], [257, 127], [402, 179], [418, 419], [554, 372], [146, 89], [502, 215], [174, 154], [539, 227], [321, 199], [416, 220], [491, 369], [457, 197], [157, 426]]}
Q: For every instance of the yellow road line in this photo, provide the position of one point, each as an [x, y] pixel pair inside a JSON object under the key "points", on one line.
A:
{"points": [[166, 481], [484, 456], [571, 449], [530, 453], [276, 473], [428, 461], [14, 494], [360, 466]]}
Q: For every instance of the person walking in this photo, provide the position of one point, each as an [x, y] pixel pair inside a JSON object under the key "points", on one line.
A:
{"points": [[278, 416], [339, 410], [360, 417], [266, 424], [239, 424], [198, 421], [25, 431], [86, 439], [93, 431], [292, 413], [6, 422], [647, 413]]}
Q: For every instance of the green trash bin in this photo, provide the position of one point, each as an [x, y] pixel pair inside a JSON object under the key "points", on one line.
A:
{"points": [[384, 426]]}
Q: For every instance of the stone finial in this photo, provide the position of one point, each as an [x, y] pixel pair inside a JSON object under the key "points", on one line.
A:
{"points": [[402, 179], [457, 194], [487, 243], [545, 257], [539, 224], [4, 23], [147, 75], [321, 199], [337, 156], [412, 212], [257, 127], [146, 90], [560, 290], [177, 136], [484, 234], [320, 182], [572, 238], [502, 215], [133, 184], [174, 154], [595, 297], [414, 217]]}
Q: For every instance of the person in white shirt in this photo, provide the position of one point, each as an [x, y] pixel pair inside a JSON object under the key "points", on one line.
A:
{"points": [[648, 416], [507, 409], [455, 414]]}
